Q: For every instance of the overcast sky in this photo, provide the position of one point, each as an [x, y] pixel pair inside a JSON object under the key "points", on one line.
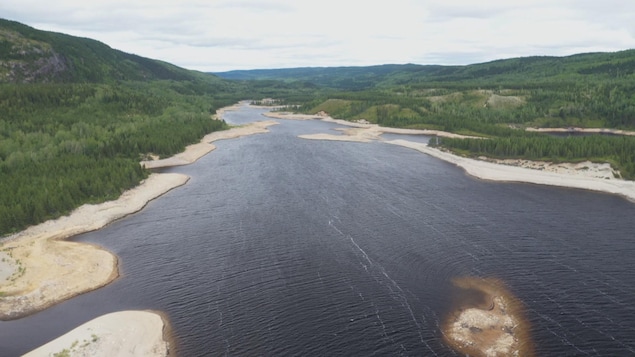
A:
{"points": [[221, 35]]}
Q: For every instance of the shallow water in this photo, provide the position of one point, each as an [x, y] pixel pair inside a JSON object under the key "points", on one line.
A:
{"points": [[285, 246]]}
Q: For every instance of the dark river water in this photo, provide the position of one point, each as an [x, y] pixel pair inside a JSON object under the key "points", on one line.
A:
{"points": [[283, 246]]}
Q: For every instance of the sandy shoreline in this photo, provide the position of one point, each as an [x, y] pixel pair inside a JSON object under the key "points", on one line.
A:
{"points": [[370, 127], [141, 335], [51, 269], [196, 151], [570, 178], [39, 267], [587, 175]]}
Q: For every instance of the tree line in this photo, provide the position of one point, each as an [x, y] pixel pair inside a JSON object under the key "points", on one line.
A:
{"points": [[500, 110], [617, 150], [62, 145]]}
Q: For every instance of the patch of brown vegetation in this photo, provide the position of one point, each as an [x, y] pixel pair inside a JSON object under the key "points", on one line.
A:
{"points": [[446, 98], [504, 101]]}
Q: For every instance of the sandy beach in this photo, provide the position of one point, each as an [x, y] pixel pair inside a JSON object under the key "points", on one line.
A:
{"points": [[142, 335], [47, 269], [493, 324], [587, 175], [196, 151], [372, 128], [39, 267]]}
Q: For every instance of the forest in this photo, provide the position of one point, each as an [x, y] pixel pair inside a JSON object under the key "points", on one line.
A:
{"points": [[62, 145], [66, 144], [585, 90], [619, 151], [74, 133], [77, 116], [496, 101]]}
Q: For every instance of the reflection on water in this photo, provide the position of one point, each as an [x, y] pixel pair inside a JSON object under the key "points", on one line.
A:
{"points": [[284, 246]]}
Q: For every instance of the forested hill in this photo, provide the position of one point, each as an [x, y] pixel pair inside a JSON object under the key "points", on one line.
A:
{"points": [[497, 100], [28, 55], [349, 78], [77, 116], [524, 70]]}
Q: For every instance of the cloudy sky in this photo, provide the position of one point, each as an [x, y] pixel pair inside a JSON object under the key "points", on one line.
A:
{"points": [[220, 35]]}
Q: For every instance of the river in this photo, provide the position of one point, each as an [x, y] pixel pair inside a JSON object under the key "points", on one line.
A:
{"points": [[285, 246]]}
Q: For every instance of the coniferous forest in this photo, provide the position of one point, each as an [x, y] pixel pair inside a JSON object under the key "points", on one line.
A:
{"points": [[496, 100], [68, 144], [76, 116]]}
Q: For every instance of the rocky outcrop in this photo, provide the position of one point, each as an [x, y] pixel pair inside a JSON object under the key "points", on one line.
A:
{"points": [[487, 321], [26, 61]]}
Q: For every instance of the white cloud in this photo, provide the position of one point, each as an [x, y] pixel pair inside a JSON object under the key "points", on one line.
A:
{"points": [[223, 35]]}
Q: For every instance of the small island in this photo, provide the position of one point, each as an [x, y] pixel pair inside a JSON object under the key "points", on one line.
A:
{"points": [[488, 320]]}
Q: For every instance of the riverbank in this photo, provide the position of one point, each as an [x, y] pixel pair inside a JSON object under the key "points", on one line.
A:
{"points": [[48, 269], [487, 319], [371, 128], [124, 333], [587, 175], [40, 268], [196, 151]]}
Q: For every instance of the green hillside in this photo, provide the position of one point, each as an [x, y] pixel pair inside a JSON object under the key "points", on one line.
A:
{"points": [[28, 55], [77, 116], [347, 78], [537, 70], [497, 100], [585, 90]]}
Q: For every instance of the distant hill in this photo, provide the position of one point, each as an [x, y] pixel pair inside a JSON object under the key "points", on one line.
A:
{"points": [[28, 55], [333, 77], [524, 69], [77, 117]]}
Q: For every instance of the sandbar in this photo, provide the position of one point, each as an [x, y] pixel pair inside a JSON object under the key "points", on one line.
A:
{"points": [[362, 124], [487, 320], [40, 268], [569, 176], [586, 175], [292, 116], [356, 134], [220, 112], [51, 269], [196, 151], [123, 333]]}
